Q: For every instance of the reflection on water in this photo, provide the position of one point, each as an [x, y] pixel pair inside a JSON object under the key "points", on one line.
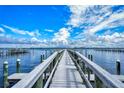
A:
{"points": [[28, 62]]}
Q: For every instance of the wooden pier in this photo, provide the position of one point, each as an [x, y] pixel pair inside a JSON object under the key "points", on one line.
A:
{"points": [[66, 74], [67, 69]]}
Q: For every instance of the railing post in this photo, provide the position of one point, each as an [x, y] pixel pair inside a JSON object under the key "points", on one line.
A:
{"points": [[5, 69], [78, 60], [44, 77], [88, 70], [18, 66], [91, 58], [98, 82], [118, 67], [39, 83], [55, 60], [84, 68]]}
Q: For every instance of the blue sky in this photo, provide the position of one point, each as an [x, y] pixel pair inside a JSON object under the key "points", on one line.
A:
{"points": [[60, 26]]}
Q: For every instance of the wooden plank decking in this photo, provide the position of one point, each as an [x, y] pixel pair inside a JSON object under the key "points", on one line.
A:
{"points": [[66, 75], [17, 76]]}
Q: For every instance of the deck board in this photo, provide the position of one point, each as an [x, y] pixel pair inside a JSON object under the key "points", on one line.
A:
{"points": [[17, 76], [66, 75]]}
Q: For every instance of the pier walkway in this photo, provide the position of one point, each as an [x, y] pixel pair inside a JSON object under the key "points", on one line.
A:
{"points": [[66, 69], [66, 74]]}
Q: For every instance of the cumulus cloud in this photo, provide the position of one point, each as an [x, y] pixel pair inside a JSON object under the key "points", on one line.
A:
{"points": [[97, 24], [76, 16], [114, 38], [61, 37], [23, 32], [93, 19]]}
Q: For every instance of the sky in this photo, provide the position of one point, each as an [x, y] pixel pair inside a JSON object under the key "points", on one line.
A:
{"points": [[62, 25]]}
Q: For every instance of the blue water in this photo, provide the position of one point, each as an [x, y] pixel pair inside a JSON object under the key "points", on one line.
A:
{"points": [[28, 62], [105, 59]]}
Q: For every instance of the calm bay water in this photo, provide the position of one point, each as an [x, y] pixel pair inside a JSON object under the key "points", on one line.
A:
{"points": [[106, 59], [28, 62]]}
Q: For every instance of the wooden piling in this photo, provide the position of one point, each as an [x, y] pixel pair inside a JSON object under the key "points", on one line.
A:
{"points": [[91, 57], [85, 52], [51, 52], [46, 54], [41, 58], [118, 67], [18, 66], [5, 69]]}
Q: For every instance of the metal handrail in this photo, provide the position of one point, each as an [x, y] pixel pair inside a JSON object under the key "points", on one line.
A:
{"points": [[33, 76], [102, 74]]}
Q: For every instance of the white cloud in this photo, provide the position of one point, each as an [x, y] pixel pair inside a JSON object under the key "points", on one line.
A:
{"points": [[105, 24], [114, 38], [76, 16], [2, 30], [61, 37], [92, 19], [23, 32], [39, 41], [89, 15], [34, 39], [15, 30], [33, 33], [49, 30]]}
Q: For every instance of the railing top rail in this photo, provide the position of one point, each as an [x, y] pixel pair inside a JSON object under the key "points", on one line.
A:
{"points": [[104, 76], [33, 76]]}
